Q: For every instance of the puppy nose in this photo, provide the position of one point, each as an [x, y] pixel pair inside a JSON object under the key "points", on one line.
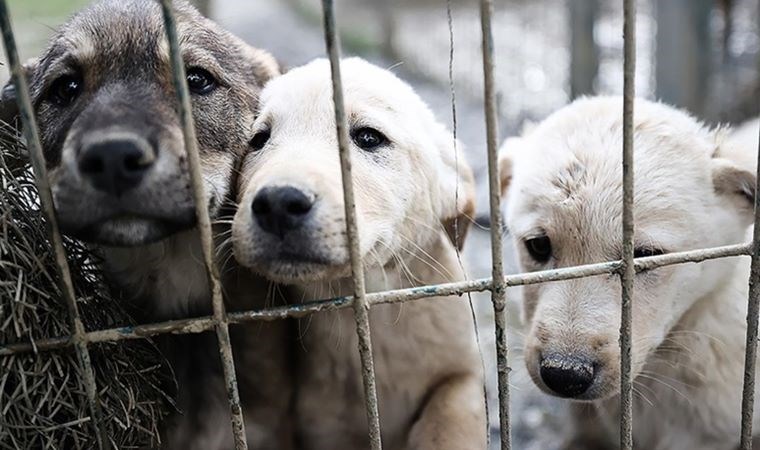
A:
{"points": [[281, 209], [567, 376], [115, 166]]}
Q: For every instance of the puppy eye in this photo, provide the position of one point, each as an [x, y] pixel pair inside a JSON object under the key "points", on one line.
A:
{"points": [[260, 139], [65, 90], [645, 252], [200, 81], [368, 138], [540, 248]]}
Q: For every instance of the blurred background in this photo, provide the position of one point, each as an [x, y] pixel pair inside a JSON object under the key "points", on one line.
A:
{"points": [[701, 55]]}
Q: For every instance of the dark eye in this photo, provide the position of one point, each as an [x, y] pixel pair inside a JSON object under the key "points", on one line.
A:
{"points": [[260, 139], [368, 138], [540, 248], [645, 252], [200, 81], [65, 90]]}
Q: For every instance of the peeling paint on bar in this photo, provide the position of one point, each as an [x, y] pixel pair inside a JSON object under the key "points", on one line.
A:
{"points": [[753, 309], [31, 134], [498, 289], [201, 324], [204, 224], [360, 304]]}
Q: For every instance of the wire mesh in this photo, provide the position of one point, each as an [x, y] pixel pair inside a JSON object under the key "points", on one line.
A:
{"points": [[361, 301]]}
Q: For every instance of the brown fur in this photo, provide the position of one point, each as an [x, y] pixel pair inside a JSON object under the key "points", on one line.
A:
{"points": [[118, 51]]}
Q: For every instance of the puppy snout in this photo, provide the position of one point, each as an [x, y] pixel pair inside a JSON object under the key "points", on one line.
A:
{"points": [[567, 376], [115, 166], [279, 210]]}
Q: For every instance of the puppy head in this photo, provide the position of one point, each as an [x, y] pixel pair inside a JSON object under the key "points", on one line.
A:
{"points": [[290, 224], [564, 206], [107, 112]]}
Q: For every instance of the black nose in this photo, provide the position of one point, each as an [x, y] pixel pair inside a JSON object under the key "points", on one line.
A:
{"points": [[115, 166], [567, 376], [281, 209]]}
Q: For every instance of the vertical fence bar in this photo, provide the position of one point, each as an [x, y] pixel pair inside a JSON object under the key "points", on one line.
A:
{"points": [[34, 146], [753, 308], [498, 291], [628, 270], [361, 306], [204, 225]]}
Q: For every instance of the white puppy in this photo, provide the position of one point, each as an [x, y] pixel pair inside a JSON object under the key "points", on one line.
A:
{"points": [[290, 227], [564, 202]]}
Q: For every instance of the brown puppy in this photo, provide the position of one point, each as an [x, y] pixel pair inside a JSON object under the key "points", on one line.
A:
{"points": [[106, 108]]}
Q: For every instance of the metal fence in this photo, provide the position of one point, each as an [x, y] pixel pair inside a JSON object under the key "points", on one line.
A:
{"points": [[362, 301]]}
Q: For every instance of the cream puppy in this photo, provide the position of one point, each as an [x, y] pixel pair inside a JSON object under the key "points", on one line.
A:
{"points": [[290, 228], [564, 203]]}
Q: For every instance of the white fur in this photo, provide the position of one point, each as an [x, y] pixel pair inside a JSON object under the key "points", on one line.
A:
{"points": [[564, 180], [429, 377]]}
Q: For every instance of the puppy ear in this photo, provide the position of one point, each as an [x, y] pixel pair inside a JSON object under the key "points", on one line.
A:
{"points": [[457, 187], [8, 99], [736, 184], [506, 158], [265, 66]]}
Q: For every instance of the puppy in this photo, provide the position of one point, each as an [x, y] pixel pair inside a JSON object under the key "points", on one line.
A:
{"points": [[563, 182], [107, 112], [290, 228]]}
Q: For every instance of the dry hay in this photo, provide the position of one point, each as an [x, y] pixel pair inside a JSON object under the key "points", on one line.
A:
{"points": [[43, 404]]}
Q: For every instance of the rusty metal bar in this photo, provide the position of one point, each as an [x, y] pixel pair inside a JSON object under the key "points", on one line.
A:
{"points": [[360, 303], [627, 270], [201, 324], [34, 145], [498, 289], [753, 309], [204, 224]]}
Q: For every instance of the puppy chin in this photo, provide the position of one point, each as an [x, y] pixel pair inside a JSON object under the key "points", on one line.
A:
{"points": [[288, 272], [290, 267], [128, 231]]}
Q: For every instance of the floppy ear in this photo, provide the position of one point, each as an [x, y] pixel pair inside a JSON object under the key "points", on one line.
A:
{"points": [[457, 189], [265, 66], [8, 99], [736, 184]]}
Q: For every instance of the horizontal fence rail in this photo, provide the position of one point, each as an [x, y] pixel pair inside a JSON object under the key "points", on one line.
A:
{"points": [[361, 301], [202, 324]]}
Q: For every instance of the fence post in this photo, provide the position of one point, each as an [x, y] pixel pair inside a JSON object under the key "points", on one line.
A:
{"points": [[498, 289], [34, 145], [628, 269], [360, 303], [753, 308], [220, 319]]}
